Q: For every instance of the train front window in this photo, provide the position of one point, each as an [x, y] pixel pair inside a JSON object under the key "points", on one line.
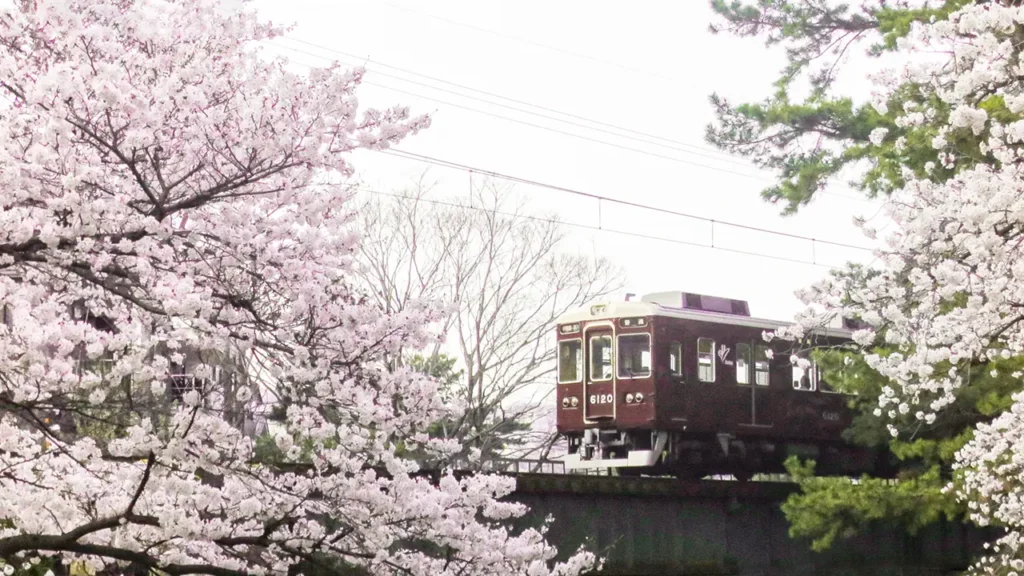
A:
{"points": [[743, 363], [634, 356], [706, 359], [570, 361], [600, 358]]}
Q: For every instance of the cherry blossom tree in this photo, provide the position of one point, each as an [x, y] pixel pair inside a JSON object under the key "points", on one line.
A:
{"points": [[168, 214], [947, 292]]}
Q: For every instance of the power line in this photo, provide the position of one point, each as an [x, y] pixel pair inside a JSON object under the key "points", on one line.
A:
{"points": [[571, 134], [600, 198], [599, 228], [725, 156], [533, 43], [574, 135]]}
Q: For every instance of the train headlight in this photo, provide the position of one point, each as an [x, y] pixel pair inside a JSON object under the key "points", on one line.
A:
{"points": [[629, 398], [565, 402], [575, 401], [639, 397]]}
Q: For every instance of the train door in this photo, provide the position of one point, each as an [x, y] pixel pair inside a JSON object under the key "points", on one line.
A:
{"points": [[599, 399], [753, 373], [762, 394], [675, 396]]}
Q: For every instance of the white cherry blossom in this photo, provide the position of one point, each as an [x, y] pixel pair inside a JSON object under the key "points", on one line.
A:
{"points": [[171, 222], [948, 289]]}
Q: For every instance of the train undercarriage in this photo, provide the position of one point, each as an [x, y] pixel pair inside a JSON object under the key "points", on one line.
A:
{"points": [[687, 455]]}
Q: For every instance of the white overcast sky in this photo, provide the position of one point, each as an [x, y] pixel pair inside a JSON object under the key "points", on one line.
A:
{"points": [[649, 68]]}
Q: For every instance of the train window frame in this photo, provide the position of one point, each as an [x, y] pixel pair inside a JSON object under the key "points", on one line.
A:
{"points": [[709, 356], [618, 359], [743, 357], [675, 349], [822, 382], [812, 379], [590, 358], [580, 363], [760, 351]]}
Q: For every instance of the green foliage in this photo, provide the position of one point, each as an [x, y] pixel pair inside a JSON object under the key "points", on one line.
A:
{"points": [[832, 508], [267, 450], [482, 426], [810, 142], [813, 139], [807, 29], [894, 23], [771, 135], [440, 366], [33, 566], [987, 392]]}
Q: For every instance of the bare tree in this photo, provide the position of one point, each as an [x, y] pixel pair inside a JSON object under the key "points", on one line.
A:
{"points": [[507, 275]]}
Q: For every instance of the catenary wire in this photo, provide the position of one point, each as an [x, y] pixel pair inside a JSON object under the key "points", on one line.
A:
{"points": [[712, 221], [704, 149], [554, 187], [571, 134], [579, 136], [470, 169], [532, 42], [598, 228], [583, 137]]}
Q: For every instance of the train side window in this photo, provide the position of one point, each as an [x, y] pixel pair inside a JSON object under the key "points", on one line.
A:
{"points": [[706, 359], [675, 358], [805, 380], [822, 384], [570, 361], [600, 358], [762, 367], [743, 363], [634, 356]]}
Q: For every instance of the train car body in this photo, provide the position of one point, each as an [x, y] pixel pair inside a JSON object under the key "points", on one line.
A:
{"points": [[685, 384]]}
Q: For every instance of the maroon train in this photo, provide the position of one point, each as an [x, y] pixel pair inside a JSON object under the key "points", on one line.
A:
{"points": [[683, 384]]}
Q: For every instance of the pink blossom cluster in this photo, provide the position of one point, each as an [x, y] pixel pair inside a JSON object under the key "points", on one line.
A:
{"points": [[165, 193]]}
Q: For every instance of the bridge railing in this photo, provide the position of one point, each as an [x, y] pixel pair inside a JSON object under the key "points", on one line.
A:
{"points": [[527, 466], [515, 466], [538, 466]]}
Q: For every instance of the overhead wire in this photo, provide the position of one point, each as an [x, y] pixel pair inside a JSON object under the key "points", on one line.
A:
{"points": [[556, 130], [600, 228], [599, 198], [602, 198], [471, 170], [565, 133], [573, 135], [586, 138], [707, 149], [532, 42]]}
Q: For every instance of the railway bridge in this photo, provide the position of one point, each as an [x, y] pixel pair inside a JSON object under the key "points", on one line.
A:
{"points": [[667, 527]]}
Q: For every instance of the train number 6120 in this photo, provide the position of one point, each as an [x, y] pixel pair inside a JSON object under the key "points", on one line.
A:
{"points": [[601, 398]]}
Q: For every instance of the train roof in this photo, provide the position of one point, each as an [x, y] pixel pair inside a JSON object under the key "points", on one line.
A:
{"points": [[611, 309]]}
